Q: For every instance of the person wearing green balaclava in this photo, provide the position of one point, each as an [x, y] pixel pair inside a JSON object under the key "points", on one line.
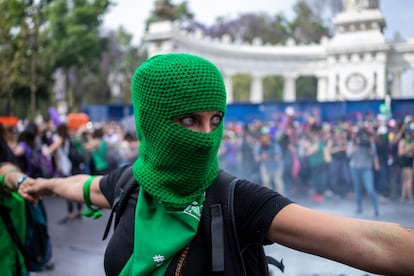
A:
{"points": [[179, 101], [176, 165]]}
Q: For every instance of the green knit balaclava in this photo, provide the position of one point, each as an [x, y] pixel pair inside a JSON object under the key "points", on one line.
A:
{"points": [[176, 165]]}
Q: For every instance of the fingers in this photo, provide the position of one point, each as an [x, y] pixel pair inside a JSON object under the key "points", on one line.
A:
{"points": [[29, 190], [29, 197]]}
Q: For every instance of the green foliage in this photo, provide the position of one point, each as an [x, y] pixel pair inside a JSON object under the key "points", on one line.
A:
{"points": [[22, 48], [307, 26], [164, 10], [306, 88], [182, 12], [272, 30], [241, 88], [74, 29], [122, 58], [273, 88], [39, 37], [77, 46]]}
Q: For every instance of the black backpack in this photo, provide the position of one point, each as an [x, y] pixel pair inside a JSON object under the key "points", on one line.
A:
{"points": [[218, 222]]}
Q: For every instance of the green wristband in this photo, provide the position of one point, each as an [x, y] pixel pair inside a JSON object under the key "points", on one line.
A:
{"points": [[91, 211]]}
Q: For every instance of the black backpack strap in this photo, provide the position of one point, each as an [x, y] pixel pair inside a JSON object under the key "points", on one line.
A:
{"points": [[220, 224], [220, 228], [217, 238], [217, 220], [125, 185]]}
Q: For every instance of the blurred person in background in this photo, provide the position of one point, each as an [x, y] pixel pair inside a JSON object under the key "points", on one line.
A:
{"points": [[394, 136], [229, 152], [291, 163], [269, 156], [339, 174], [318, 168], [113, 134], [66, 164], [128, 149], [249, 168], [363, 160], [383, 152], [11, 261], [406, 156], [98, 150]]}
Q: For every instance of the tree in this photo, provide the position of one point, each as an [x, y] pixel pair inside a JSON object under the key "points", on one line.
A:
{"points": [[307, 27], [12, 56], [246, 27], [326, 9], [273, 88], [37, 43], [131, 58], [241, 88], [117, 66], [306, 88], [76, 43], [164, 10], [21, 54]]}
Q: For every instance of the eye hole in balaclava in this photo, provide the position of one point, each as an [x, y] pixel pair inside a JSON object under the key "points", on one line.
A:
{"points": [[200, 121], [176, 165]]}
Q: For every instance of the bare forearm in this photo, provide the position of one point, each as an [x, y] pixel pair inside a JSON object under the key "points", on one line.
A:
{"points": [[70, 188], [378, 247], [393, 249]]}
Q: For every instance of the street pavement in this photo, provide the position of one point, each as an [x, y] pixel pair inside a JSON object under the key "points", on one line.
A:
{"points": [[78, 248]]}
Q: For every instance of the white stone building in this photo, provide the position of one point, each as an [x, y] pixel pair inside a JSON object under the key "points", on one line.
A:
{"points": [[355, 64]]}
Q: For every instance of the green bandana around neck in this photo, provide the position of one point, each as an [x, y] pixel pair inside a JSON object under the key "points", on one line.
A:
{"points": [[174, 230], [176, 165]]}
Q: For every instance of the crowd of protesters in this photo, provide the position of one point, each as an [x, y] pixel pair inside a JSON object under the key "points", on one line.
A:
{"points": [[372, 157], [94, 149]]}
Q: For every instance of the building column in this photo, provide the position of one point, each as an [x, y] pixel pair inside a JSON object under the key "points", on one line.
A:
{"points": [[380, 82], [256, 89], [228, 82], [322, 89], [289, 89], [396, 83]]}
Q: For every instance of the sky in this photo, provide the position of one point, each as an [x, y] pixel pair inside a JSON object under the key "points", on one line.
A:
{"points": [[131, 14]]}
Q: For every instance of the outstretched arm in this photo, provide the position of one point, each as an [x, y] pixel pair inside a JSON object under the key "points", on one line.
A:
{"points": [[378, 247], [70, 188]]}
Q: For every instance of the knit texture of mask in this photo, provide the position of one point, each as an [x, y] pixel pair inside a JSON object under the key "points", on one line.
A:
{"points": [[176, 165]]}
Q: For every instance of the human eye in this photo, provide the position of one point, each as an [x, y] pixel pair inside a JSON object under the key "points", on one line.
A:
{"points": [[216, 119], [186, 121]]}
